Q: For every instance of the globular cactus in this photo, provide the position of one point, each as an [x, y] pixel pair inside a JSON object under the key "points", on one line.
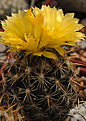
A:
{"points": [[9, 6], [38, 74], [78, 113], [44, 86]]}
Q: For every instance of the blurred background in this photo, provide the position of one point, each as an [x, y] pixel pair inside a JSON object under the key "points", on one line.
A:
{"points": [[78, 53], [76, 6]]}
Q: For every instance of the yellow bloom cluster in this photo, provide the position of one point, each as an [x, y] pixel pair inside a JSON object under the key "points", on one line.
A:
{"points": [[40, 31]]}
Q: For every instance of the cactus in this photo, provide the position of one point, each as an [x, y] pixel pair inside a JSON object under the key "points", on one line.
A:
{"points": [[38, 74], [8, 114], [41, 85], [78, 113], [9, 6]]}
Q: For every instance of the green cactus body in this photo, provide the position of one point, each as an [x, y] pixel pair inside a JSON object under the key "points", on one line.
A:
{"points": [[45, 87]]}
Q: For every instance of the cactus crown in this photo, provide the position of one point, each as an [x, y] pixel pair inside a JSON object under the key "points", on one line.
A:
{"points": [[41, 32]]}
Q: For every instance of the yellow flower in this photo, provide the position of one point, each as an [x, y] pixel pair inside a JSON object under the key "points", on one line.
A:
{"points": [[40, 31]]}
